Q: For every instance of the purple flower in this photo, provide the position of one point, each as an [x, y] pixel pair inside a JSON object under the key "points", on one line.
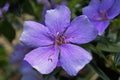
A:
{"points": [[28, 72], [5, 8], [100, 12], [19, 53], [25, 68], [55, 41], [51, 5], [42, 1], [0, 12]]}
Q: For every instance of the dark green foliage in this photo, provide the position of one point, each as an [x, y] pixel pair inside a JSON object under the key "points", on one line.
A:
{"points": [[7, 30]]}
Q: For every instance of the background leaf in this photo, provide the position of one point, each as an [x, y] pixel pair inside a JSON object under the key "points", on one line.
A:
{"points": [[117, 58], [109, 47], [99, 71], [7, 30]]}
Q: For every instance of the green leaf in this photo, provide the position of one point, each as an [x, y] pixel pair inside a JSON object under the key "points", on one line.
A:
{"points": [[109, 47], [99, 71], [27, 7], [15, 7], [2, 51], [117, 58], [3, 57], [7, 30]]}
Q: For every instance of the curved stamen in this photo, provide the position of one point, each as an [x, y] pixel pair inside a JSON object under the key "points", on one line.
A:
{"points": [[103, 15]]}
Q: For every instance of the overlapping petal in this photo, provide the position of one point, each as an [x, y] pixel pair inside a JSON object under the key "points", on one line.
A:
{"points": [[19, 53], [57, 19], [91, 12], [29, 77], [101, 26], [28, 72], [25, 68], [44, 59], [95, 3], [114, 10], [16, 56], [0, 12], [101, 4], [35, 34], [81, 31], [73, 58], [6, 7], [105, 4]]}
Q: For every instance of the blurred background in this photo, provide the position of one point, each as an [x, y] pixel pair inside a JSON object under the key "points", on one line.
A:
{"points": [[105, 49]]}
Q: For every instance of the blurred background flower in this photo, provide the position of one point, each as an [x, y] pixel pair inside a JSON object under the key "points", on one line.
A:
{"points": [[101, 12], [4, 9]]}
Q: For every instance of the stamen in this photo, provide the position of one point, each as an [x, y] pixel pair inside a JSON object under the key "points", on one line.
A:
{"points": [[95, 17], [51, 34], [57, 33], [103, 15]]}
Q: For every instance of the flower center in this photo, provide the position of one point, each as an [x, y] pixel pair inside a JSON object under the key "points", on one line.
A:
{"points": [[59, 39], [103, 15]]}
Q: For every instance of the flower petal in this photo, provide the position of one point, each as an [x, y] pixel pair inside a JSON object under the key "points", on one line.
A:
{"points": [[35, 34], [6, 7], [114, 10], [57, 19], [29, 77], [106, 4], [45, 8], [0, 13], [19, 53], [95, 3], [44, 59], [92, 10], [81, 31], [25, 68], [28, 72], [73, 58], [101, 26]]}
